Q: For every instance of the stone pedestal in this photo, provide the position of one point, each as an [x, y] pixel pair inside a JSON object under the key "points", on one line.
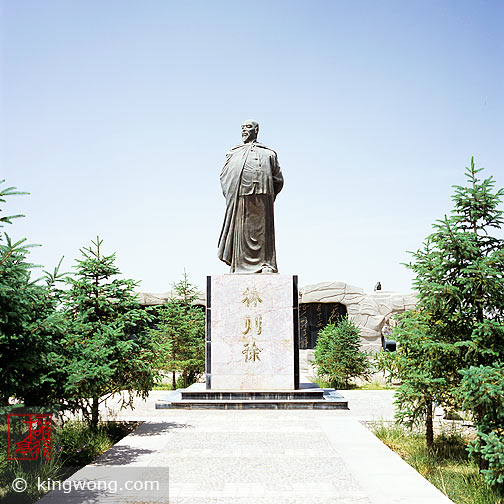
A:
{"points": [[252, 332]]}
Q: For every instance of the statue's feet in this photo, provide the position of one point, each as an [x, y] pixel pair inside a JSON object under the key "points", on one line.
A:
{"points": [[267, 269]]}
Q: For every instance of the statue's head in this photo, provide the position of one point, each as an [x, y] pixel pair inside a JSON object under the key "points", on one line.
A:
{"points": [[250, 129]]}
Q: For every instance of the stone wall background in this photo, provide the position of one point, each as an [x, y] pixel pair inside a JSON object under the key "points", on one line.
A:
{"points": [[371, 312]]}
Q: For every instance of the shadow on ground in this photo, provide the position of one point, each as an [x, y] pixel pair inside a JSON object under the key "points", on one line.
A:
{"points": [[158, 428], [121, 455]]}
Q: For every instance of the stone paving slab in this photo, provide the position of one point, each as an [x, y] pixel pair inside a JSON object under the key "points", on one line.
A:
{"points": [[268, 457], [277, 500], [264, 456]]}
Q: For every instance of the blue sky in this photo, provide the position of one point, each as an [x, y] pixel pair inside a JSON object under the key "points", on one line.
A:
{"points": [[116, 116]]}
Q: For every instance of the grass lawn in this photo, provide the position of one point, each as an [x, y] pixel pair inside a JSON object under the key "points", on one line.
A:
{"points": [[447, 466], [162, 386], [369, 385], [372, 385]]}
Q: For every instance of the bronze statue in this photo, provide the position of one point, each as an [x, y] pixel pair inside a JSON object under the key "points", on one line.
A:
{"points": [[251, 179]]}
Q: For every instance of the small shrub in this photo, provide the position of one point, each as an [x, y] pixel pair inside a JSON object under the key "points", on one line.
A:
{"points": [[80, 444], [338, 356]]}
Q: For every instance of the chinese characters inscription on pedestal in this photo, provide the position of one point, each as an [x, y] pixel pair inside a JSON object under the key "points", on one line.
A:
{"points": [[252, 325]]}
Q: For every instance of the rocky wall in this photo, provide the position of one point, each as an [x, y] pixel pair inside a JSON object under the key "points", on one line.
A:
{"points": [[369, 311]]}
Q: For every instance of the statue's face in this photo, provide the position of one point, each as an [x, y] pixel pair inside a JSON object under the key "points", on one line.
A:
{"points": [[249, 131]]}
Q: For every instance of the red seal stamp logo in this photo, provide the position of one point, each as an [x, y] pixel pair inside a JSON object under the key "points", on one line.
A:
{"points": [[36, 436]]}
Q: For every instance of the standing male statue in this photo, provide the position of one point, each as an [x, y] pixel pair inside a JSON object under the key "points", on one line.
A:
{"points": [[250, 180]]}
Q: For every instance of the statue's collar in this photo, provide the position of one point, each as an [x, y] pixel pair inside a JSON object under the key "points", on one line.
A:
{"points": [[249, 145]]}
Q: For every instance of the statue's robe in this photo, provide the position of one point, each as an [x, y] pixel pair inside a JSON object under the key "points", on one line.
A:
{"points": [[250, 179]]}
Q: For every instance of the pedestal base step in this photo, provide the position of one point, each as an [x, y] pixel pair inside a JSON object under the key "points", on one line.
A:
{"points": [[309, 396], [240, 395]]}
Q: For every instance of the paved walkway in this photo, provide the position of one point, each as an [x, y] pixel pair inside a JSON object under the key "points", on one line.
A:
{"points": [[262, 457]]}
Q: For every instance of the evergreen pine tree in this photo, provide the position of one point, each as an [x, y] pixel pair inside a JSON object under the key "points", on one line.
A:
{"points": [[29, 324], [458, 321], [8, 191], [180, 334], [107, 349]]}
